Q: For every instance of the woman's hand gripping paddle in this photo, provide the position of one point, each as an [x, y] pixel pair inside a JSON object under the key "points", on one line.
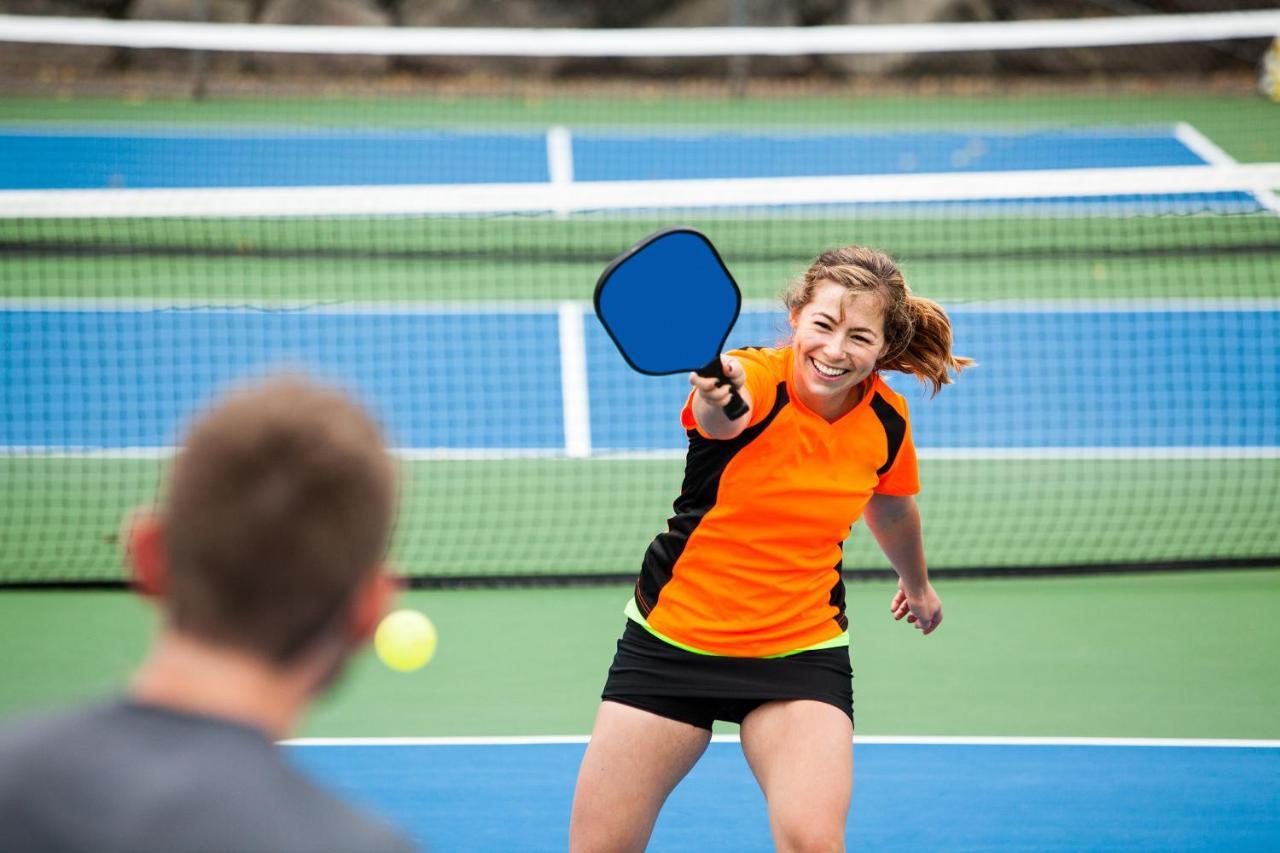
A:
{"points": [[669, 303]]}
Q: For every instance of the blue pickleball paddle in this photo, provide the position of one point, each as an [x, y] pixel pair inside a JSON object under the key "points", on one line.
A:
{"points": [[669, 303]]}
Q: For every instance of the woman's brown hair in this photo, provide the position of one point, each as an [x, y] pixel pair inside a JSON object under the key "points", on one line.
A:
{"points": [[917, 331]]}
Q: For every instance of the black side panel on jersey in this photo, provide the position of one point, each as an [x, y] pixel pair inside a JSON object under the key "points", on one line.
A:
{"points": [[837, 594], [895, 430], [705, 462]]}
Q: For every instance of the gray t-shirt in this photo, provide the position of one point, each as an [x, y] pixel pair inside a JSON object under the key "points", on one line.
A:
{"points": [[131, 778]]}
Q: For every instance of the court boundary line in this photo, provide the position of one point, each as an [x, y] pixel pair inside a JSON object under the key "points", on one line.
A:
{"points": [[125, 305], [1204, 147], [560, 161], [886, 740], [192, 129], [581, 443], [575, 399]]}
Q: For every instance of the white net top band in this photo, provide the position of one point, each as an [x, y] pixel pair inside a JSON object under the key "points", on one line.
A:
{"points": [[657, 41], [586, 196]]}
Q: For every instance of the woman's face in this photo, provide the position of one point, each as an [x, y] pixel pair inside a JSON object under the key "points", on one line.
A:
{"points": [[838, 337]]}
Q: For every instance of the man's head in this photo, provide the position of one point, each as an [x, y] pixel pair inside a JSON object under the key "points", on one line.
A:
{"points": [[274, 522]]}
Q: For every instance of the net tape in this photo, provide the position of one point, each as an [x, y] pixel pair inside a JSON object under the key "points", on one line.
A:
{"points": [[500, 198], [657, 41]]}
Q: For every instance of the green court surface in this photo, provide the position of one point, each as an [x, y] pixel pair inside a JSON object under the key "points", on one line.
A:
{"points": [[1171, 655], [1161, 655], [977, 513]]}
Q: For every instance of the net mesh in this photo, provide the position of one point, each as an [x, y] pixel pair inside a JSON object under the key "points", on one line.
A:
{"points": [[1108, 247]]}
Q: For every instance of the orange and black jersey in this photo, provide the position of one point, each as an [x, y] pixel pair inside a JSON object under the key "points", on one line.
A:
{"points": [[750, 563]]}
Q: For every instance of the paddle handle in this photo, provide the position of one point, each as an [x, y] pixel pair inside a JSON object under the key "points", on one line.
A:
{"points": [[736, 407]]}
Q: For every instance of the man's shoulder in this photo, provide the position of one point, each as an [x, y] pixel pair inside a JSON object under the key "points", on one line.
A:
{"points": [[341, 827], [166, 780], [34, 733], [117, 722], [331, 823]]}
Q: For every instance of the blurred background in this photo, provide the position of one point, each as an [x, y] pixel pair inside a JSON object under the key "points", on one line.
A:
{"points": [[414, 199]]}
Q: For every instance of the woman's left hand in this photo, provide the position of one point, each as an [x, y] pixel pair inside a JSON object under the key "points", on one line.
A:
{"points": [[922, 608]]}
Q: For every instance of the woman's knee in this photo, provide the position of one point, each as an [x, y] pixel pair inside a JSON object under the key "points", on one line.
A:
{"points": [[807, 831]]}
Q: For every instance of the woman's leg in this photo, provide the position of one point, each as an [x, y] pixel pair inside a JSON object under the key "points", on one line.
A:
{"points": [[634, 760], [801, 752]]}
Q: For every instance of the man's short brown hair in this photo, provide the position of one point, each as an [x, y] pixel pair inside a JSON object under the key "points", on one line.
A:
{"points": [[278, 505]]}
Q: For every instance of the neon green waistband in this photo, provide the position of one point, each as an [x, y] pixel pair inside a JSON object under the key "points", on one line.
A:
{"points": [[633, 613]]}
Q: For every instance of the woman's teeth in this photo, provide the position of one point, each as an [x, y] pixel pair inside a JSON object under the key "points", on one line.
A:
{"points": [[828, 371]]}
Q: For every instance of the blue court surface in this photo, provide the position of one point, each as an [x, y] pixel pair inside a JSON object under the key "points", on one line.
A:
{"points": [[122, 378], [933, 796], [91, 158]]}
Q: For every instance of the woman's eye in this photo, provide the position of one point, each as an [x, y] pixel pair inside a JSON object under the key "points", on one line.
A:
{"points": [[821, 325]]}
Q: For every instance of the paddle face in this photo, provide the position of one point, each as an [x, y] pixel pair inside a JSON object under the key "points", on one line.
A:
{"points": [[668, 302]]}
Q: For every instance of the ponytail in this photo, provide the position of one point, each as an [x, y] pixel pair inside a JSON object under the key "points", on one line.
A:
{"points": [[925, 350]]}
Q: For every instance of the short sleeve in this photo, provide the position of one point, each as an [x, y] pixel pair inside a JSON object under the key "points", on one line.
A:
{"points": [[903, 475], [761, 382]]}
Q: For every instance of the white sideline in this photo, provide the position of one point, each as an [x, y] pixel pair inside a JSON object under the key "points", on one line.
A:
{"points": [[1211, 152], [560, 160], [578, 446], [896, 740], [127, 305], [573, 382]]}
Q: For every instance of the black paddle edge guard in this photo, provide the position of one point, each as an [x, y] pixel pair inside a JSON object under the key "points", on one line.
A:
{"points": [[626, 256], [442, 582]]}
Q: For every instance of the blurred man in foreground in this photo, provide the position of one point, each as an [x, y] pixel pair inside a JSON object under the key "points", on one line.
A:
{"points": [[265, 559]]}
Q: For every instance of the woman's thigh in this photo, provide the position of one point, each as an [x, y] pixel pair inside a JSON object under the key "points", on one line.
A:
{"points": [[633, 762], [801, 752]]}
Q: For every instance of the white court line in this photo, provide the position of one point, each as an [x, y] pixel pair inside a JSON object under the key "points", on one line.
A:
{"points": [[583, 447], [1201, 145], [128, 305], [545, 306], [560, 161], [573, 382], [1210, 152], [967, 454], [1118, 454], [1247, 305], [858, 132], [895, 740], [132, 127]]}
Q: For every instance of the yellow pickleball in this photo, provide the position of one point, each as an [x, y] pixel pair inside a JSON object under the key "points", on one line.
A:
{"points": [[405, 640]]}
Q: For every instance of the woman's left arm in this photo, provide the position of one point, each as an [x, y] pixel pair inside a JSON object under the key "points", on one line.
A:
{"points": [[895, 522]]}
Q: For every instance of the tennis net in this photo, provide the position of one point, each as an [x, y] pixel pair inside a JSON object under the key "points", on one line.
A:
{"points": [[1110, 254]]}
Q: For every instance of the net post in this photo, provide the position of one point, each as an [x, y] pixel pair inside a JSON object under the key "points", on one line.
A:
{"points": [[739, 66], [200, 58]]}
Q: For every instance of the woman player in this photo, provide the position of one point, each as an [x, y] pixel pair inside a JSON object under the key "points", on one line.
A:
{"points": [[738, 613]]}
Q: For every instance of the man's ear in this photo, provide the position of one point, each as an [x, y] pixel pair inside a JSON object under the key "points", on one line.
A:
{"points": [[373, 600], [145, 553]]}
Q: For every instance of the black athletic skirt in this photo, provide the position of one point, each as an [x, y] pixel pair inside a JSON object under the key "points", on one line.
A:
{"points": [[666, 680]]}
